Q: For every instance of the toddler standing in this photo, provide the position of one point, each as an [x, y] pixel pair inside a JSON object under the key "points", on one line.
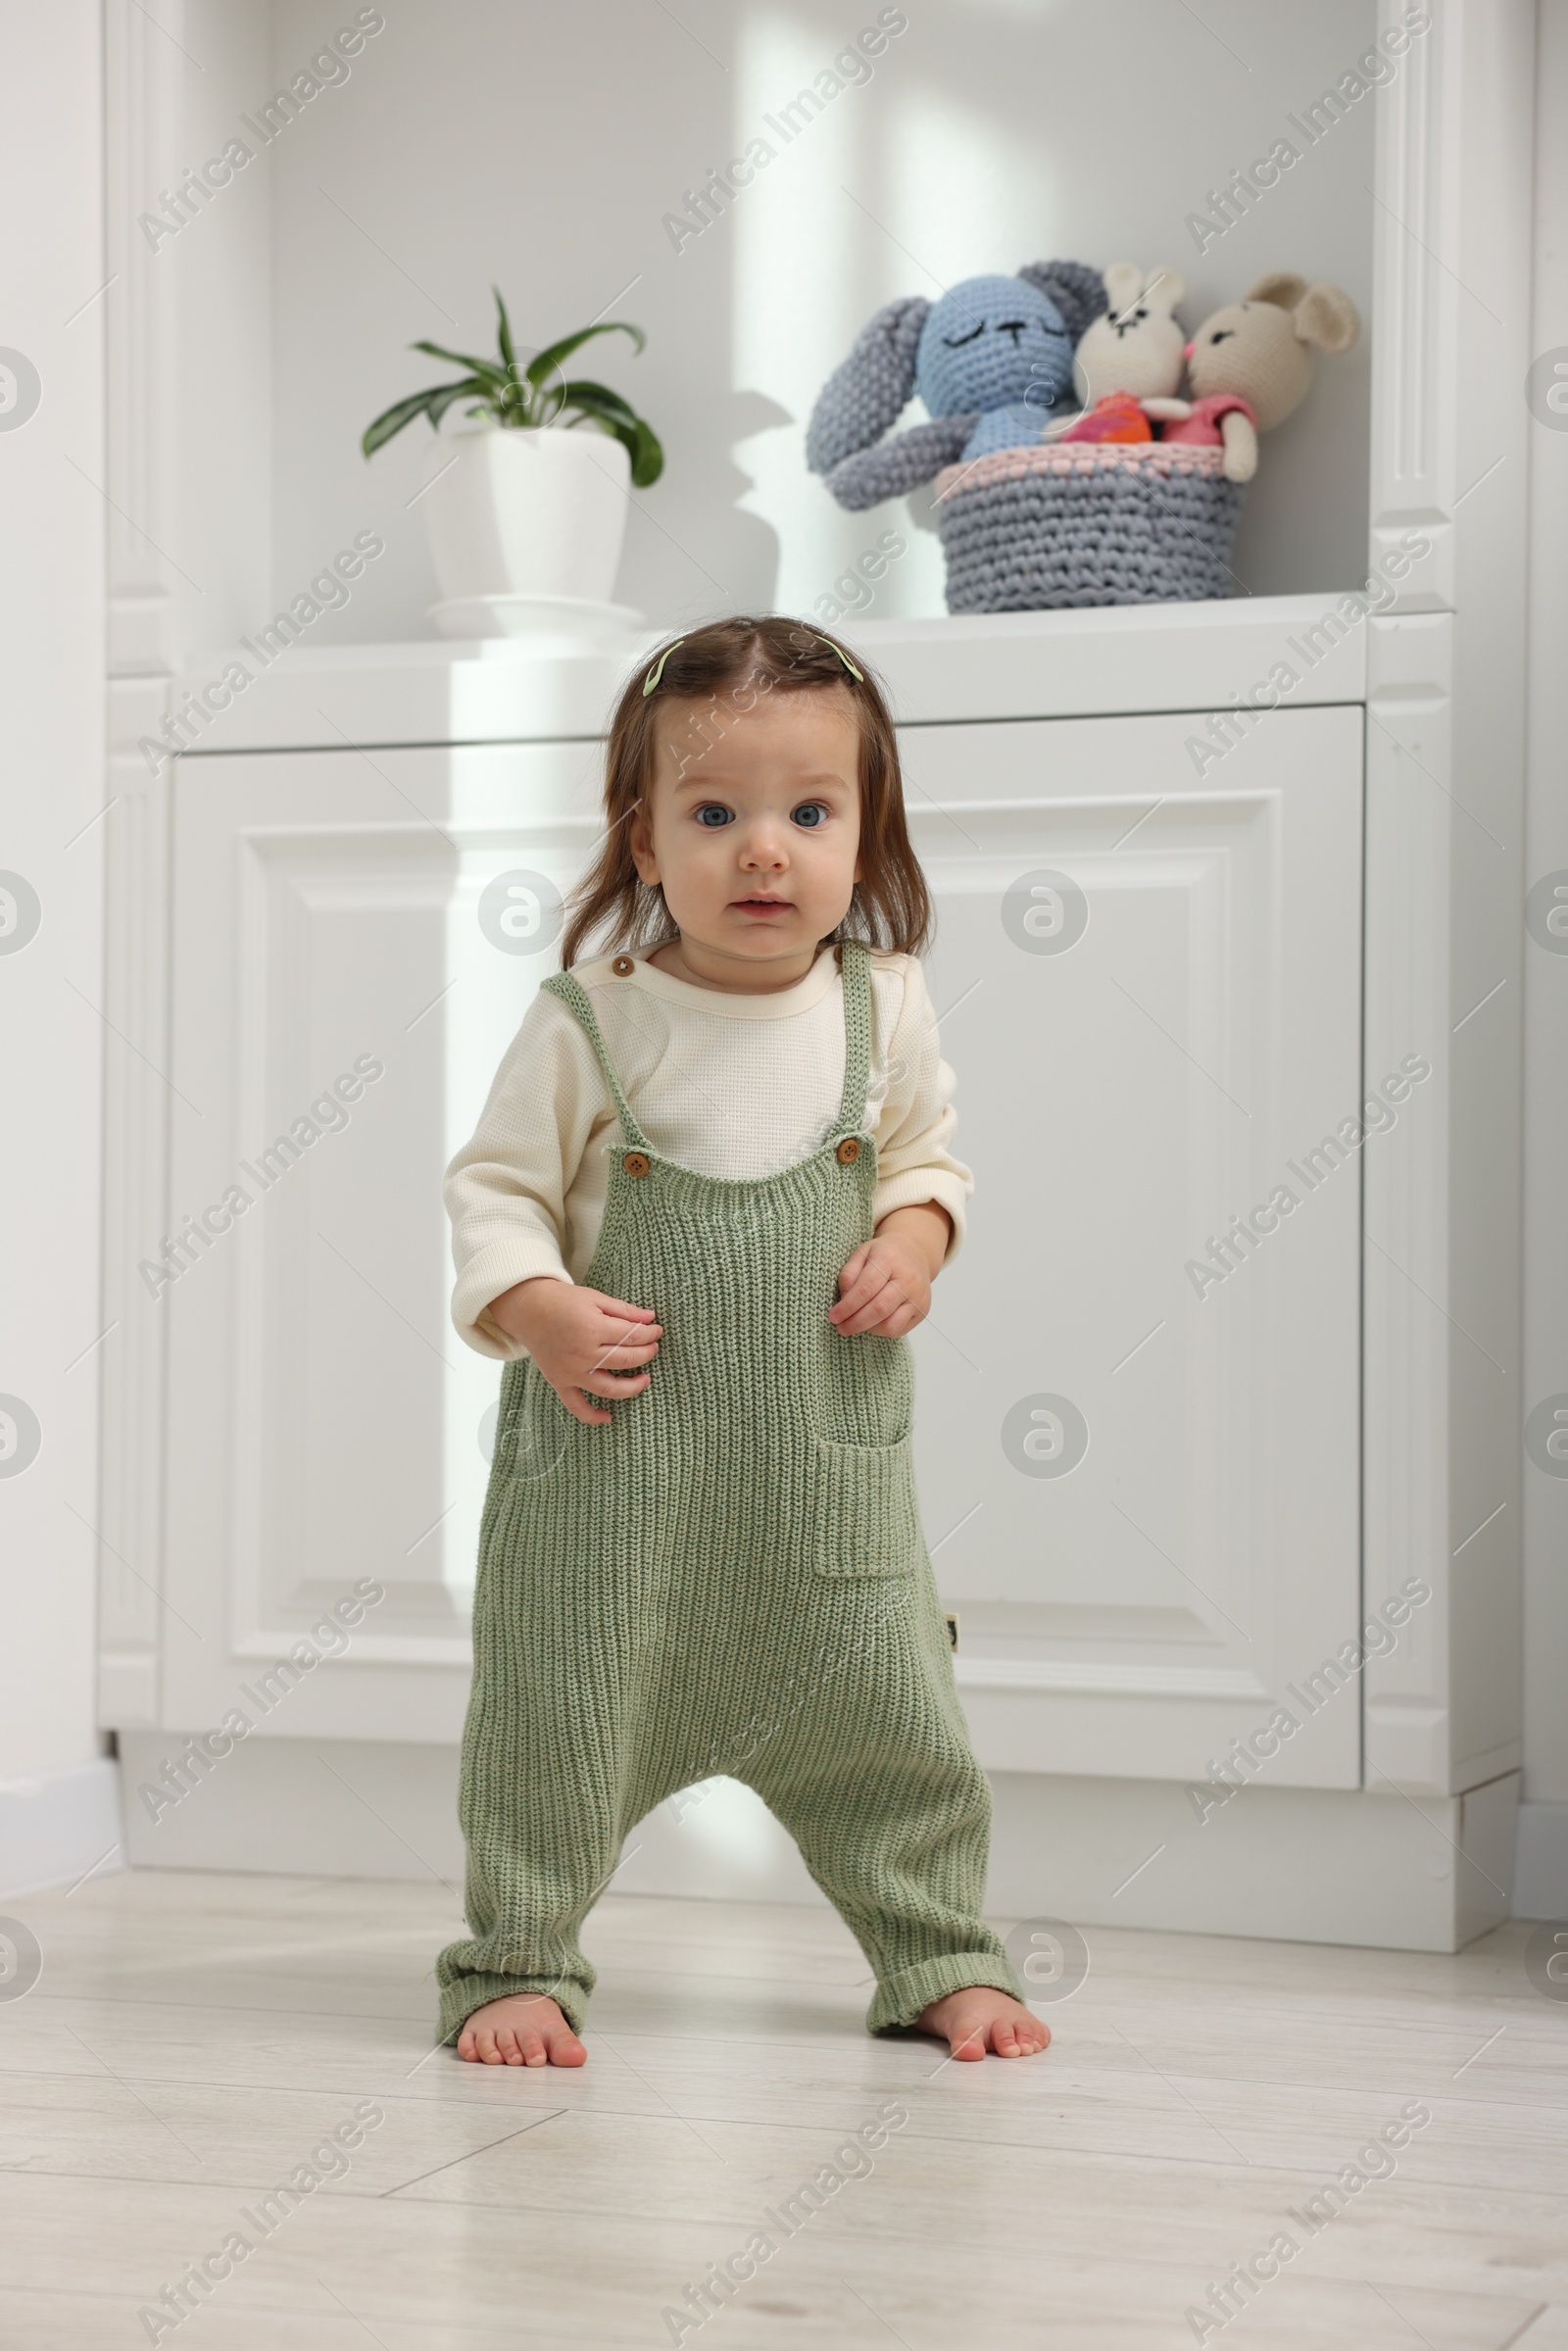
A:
{"points": [[705, 1203]]}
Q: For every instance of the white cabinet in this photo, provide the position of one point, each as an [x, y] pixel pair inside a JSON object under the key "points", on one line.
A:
{"points": [[296, 1413], [1121, 1097], [1160, 1501]]}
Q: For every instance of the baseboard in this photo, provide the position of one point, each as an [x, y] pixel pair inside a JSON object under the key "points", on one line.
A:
{"points": [[1541, 1874], [1284, 1864], [296, 1807], [56, 1825], [1297, 1865]]}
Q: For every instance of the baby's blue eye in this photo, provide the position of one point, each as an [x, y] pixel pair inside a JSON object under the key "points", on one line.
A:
{"points": [[713, 816], [809, 814]]}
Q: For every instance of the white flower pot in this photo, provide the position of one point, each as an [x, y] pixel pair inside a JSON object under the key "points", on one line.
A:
{"points": [[526, 513]]}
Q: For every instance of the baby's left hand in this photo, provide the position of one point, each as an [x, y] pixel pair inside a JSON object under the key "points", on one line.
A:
{"points": [[885, 1286]]}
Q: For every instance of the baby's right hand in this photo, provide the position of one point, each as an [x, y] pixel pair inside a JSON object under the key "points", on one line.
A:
{"points": [[579, 1339]]}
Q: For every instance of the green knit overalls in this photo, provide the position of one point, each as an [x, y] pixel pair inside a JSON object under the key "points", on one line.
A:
{"points": [[729, 1578]]}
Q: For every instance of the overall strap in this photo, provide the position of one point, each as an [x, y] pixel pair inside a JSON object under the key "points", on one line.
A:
{"points": [[574, 996], [856, 977]]}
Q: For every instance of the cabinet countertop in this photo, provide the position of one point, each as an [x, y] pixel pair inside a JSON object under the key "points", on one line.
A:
{"points": [[1108, 661]]}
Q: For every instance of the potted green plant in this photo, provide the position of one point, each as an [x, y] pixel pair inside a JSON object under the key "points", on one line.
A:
{"points": [[527, 512]]}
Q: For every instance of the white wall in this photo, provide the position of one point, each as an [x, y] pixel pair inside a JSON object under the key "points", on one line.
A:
{"points": [[1542, 1889], [541, 149], [56, 1796]]}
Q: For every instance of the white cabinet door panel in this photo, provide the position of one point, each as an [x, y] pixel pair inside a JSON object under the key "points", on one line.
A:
{"points": [[1125, 1090], [329, 1423]]}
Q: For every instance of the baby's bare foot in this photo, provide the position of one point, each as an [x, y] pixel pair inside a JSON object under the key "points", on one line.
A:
{"points": [[980, 2018], [525, 2029]]}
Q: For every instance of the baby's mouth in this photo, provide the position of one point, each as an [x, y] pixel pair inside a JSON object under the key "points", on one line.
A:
{"points": [[763, 906]]}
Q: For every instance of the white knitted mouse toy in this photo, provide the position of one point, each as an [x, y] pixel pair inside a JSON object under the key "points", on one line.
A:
{"points": [[1250, 365]]}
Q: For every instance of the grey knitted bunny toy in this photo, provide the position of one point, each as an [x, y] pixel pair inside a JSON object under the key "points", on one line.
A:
{"points": [[991, 361]]}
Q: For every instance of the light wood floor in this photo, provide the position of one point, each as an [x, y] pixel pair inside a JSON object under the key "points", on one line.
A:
{"points": [[191, 2039]]}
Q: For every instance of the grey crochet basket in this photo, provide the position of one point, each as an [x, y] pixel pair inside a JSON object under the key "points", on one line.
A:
{"points": [[1081, 522]]}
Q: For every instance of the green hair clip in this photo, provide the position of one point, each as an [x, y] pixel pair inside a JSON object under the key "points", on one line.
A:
{"points": [[845, 659], [651, 682], [658, 669]]}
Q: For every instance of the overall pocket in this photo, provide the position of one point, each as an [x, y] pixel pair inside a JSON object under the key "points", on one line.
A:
{"points": [[866, 1513]]}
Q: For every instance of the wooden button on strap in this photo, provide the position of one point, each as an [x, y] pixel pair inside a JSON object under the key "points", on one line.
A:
{"points": [[623, 966], [850, 1150], [636, 1164]]}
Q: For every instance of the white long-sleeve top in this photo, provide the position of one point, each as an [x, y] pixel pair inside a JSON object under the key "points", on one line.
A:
{"points": [[738, 1085]]}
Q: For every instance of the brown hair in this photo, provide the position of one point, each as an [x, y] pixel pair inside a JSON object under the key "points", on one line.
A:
{"points": [[738, 659]]}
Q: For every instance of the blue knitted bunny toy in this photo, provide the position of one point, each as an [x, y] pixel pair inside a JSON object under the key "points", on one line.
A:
{"points": [[991, 361]]}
